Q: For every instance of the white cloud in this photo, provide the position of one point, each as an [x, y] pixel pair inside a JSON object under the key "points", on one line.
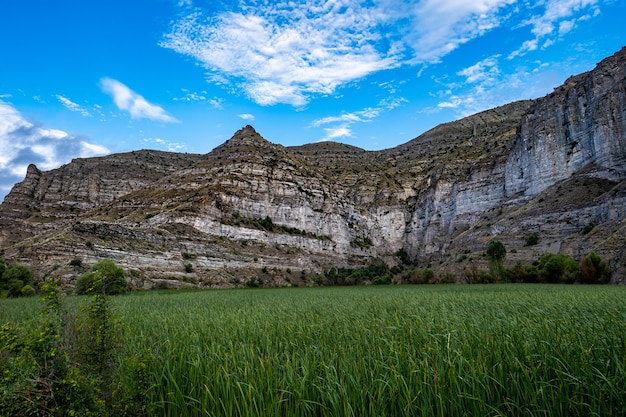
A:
{"points": [[556, 19], [286, 52], [345, 120], [289, 51], [336, 133], [482, 71], [292, 51], [170, 146], [23, 143], [246, 116], [128, 100], [441, 26], [70, 105], [192, 96]]}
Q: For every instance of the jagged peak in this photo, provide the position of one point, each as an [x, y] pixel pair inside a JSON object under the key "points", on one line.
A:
{"points": [[32, 170]]}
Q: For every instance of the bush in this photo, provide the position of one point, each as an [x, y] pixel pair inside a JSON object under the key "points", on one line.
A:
{"points": [[28, 290], [496, 252], [588, 228], [105, 277], [19, 272], [593, 270], [521, 273], [420, 276], [13, 279], [532, 240], [66, 365], [557, 269]]}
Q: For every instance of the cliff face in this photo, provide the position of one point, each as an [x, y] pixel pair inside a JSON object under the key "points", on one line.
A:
{"points": [[582, 122], [252, 209]]}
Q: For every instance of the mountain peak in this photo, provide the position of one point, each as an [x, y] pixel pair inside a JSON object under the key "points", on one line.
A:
{"points": [[245, 141]]}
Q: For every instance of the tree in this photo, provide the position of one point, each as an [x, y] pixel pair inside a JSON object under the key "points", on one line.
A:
{"points": [[496, 252], [104, 278], [14, 278], [557, 268], [593, 270]]}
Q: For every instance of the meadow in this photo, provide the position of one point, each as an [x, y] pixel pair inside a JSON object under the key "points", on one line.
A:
{"points": [[441, 350]]}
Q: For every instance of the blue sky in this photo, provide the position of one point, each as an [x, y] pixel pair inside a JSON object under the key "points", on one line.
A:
{"points": [[87, 78]]}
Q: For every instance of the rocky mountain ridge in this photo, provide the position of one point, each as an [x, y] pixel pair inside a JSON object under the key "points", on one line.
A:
{"points": [[250, 208]]}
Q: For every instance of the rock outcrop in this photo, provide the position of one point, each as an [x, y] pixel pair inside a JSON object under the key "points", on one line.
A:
{"points": [[252, 211]]}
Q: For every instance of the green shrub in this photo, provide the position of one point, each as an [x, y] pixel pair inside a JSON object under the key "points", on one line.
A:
{"points": [[27, 290], [420, 276], [557, 268], [593, 270], [588, 228], [532, 240], [13, 279], [19, 272], [496, 252], [105, 277]]}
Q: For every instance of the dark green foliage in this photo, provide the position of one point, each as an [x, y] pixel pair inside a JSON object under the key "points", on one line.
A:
{"points": [[496, 252], [361, 242], [420, 276], [76, 262], [593, 270], [377, 273], [188, 268], [39, 377], [532, 240], [557, 268], [268, 225], [105, 277], [67, 365], [404, 257], [522, 273], [588, 228], [13, 279]]}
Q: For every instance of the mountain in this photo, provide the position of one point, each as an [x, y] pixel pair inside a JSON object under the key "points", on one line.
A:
{"points": [[251, 211]]}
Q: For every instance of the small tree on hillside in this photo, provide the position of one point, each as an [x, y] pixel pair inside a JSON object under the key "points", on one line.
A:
{"points": [[496, 252], [105, 277], [593, 270], [15, 280]]}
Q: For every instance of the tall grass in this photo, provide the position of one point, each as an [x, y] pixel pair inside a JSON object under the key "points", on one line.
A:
{"points": [[499, 350]]}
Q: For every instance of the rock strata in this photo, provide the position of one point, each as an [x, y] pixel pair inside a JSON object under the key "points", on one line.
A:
{"points": [[251, 212]]}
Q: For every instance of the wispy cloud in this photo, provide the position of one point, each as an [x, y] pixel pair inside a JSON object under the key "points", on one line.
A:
{"points": [[23, 143], [344, 121], [128, 100], [70, 105], [292, 51], [441, 26], [284, 52], [553, 19], [246, 116], [165, 144], [288, 52]]}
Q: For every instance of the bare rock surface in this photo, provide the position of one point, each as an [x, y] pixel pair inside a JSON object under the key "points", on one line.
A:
{"points": [[251, 211]]}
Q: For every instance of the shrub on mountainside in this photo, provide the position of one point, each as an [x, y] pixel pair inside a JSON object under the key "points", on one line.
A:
{"points": [[15, 280], [105, 277]]}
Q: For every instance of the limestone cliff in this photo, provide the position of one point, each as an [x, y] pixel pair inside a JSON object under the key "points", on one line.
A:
{"points": [[252, 210]]}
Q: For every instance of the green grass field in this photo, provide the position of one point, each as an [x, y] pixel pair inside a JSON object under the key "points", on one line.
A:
{"points": [[446, 350]]}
